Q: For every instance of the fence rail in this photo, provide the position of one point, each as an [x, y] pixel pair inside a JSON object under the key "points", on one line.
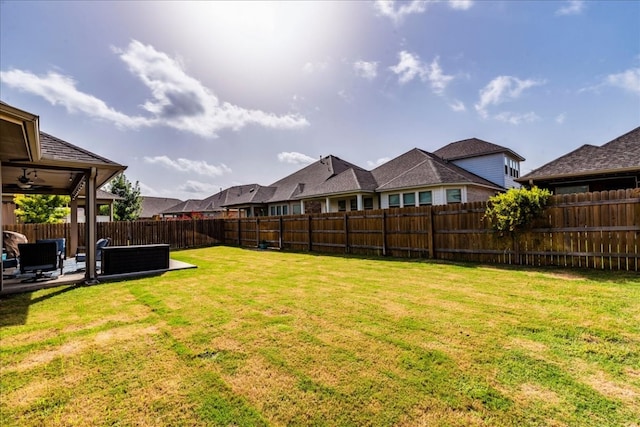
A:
{"points": [[591, 230]]}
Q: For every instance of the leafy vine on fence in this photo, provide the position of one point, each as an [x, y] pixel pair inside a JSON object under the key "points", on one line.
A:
{"points": [[515, 210]]}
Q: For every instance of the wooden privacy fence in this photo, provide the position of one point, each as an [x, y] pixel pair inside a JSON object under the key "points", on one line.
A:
{"points": [[592, 230], [589, 230]]}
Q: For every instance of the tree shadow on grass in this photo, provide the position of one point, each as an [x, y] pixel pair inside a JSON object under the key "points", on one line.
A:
{"points": [[14, 308]]}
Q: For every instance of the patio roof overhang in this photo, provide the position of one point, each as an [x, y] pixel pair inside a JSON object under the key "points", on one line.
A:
{"points": [[51, 166]]}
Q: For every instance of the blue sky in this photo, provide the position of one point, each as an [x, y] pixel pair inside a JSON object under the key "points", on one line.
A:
{"points": [[194, 97]]}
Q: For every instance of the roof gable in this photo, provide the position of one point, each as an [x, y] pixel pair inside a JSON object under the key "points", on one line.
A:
{"points": [[420, 168]]}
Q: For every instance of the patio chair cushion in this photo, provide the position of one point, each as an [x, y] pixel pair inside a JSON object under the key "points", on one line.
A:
{"points": [[101, 243]]}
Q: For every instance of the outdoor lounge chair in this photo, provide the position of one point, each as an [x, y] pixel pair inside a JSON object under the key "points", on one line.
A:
{"points": [[82, 256], [61, 245], [39, 259]]}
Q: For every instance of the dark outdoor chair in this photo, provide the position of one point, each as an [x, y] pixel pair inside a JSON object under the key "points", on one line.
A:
{"points": [[38, 258], [82, 256], [61, 245], [8, 263]]}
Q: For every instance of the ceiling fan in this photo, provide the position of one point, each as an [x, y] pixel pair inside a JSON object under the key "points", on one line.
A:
{"points": [[26, 183]]}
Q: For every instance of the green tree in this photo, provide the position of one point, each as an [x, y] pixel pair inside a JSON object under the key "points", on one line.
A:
{"points": [[514, 210], [40, 208], [127, 209]]}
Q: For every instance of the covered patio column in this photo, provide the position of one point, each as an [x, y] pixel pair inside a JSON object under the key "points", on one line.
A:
{"points": [[73, 226], [91, 226], [359, 202]]}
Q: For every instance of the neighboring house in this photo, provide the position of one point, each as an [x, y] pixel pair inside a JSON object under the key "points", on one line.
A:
{"points": [[327, 185], [463, 171], [495, 163], [612, 166], [152, 207], [418, 178]]}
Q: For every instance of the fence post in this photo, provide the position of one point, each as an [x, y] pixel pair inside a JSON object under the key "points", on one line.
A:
{"points": [[309, 232], [257, 231], [280, 233], [239, 234], [432, 249], [384, 233], [346, 233]]}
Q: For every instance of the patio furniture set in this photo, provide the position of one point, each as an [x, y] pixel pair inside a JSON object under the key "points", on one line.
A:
{"points": [[39, 260]]}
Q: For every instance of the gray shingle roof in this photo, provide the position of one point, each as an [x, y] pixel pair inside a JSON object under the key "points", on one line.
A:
{"points": [[309, 177], [152, 206], [472, 147], [622, 153], [247, 194], [57, 149], [188, 206], [350, 180], [420, 168]]}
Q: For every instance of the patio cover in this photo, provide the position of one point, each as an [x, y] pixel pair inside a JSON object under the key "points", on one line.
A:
{"points": [[61, 168]]}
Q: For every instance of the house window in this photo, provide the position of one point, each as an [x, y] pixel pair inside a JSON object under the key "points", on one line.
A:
{"points": [[297, 210], [454, 195], [353, 204], [506, 166], [368, 203], [394, 200], [342, 205], [409, 199], [278, 210], [424, 198], [273, 210], [285, 210]]}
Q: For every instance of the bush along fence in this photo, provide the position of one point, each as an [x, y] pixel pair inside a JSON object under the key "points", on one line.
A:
{"points": [[598, 230]]}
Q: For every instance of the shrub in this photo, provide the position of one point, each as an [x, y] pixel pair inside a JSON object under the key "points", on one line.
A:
{"points": [[514, 210]]}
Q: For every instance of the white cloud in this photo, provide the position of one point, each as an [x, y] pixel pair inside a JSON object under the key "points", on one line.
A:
{"points": [[571, 7], [516, 119], [199, 167], [367, 70], [461, 4], [376, 163], [628, 80], [388, 8], [61, 90], [502, 89], [199, 188], [397, 14], [457, 106], [438, 79], [345, 96], [295, 158], [178, 100], [182, 102], [560, 118], [408, 67], [314, 67]]}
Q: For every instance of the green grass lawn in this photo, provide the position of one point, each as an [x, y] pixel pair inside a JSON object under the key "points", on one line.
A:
{"points": [[255, 338]]}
